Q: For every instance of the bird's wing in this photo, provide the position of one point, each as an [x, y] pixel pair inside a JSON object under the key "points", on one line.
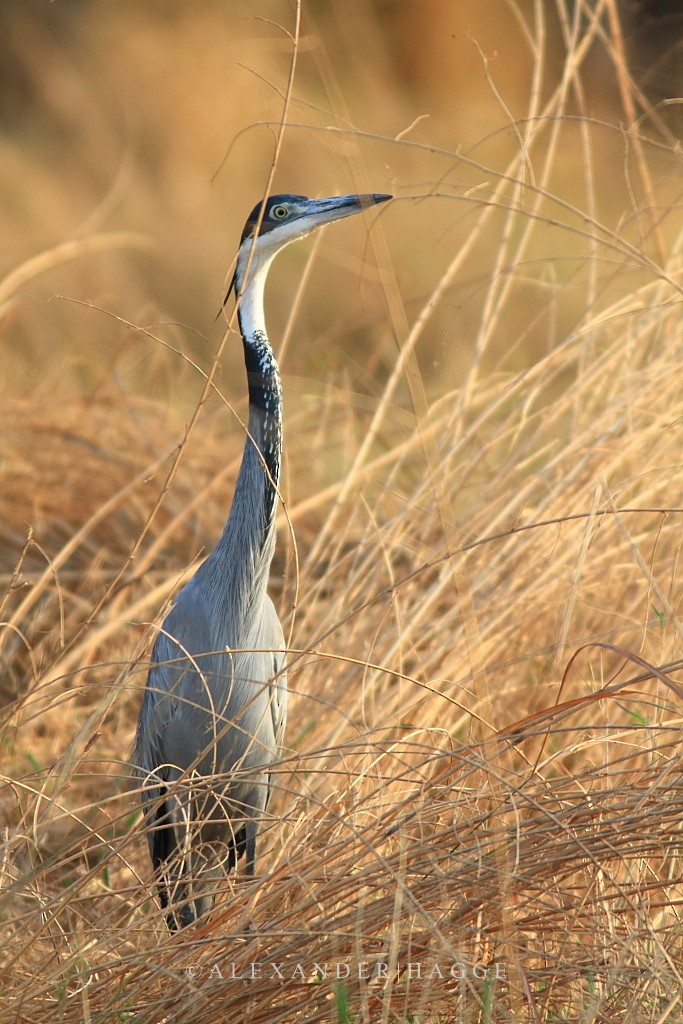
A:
{"points": [[272, 639], [158, 703], [149, 757]]}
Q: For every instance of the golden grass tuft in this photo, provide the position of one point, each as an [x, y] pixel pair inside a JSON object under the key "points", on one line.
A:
{"points": [[480, 530]]}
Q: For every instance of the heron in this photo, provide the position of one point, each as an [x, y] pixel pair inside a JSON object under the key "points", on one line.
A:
{"points": [[212, 719]]}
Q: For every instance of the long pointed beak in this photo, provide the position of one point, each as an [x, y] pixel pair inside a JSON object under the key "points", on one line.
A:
{"points": [[336, 207]]}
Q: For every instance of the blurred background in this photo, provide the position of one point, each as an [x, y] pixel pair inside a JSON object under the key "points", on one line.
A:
{"points": [[135, 137], [160, 119]]}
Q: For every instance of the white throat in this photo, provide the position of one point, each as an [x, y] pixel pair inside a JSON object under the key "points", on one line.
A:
{"points": [[253, 264]]}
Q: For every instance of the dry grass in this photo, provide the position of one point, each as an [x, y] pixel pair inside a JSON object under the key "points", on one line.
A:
{"points": [[478, 564]]}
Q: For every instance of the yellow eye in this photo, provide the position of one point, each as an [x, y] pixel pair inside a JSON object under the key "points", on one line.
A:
{"points": [[279, 212]]}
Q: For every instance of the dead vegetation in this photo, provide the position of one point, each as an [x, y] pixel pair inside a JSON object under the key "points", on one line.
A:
{"points": [[478, 816]]}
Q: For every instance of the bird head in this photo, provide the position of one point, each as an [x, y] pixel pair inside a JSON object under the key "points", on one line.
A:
{"points": [[282, 219]]}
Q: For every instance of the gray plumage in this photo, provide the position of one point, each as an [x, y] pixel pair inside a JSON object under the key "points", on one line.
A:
{"points": [[213, 714]]}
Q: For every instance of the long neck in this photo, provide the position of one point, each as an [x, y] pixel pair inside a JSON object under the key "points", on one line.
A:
{"points": [[259, 476], [244, 553]]}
